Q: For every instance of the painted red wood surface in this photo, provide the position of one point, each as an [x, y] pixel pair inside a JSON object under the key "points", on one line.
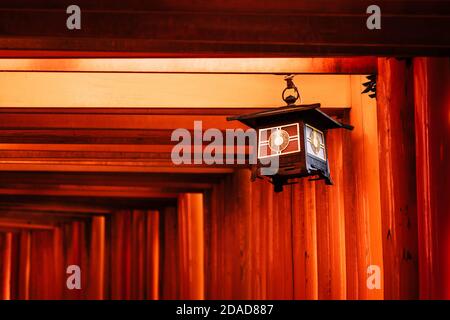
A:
{"points": [[432, 128], [5, 265], [217, 235], [311, 241], [395, 111], [222, 28]]}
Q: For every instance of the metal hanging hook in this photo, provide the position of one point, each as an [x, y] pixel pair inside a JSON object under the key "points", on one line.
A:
{"points": [[290, 85]]}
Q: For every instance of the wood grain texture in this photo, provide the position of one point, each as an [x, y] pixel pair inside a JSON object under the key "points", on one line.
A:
{"points": [[432, 123], [152, 266], [170, 274], [224, 29], [351, 65], [24, 265], [362, 197], [305, 241], [395, 105], [191, 246], [5, 265], [330, 208], [211, 234]]}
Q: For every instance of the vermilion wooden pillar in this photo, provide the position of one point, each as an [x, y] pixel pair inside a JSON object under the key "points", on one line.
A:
{"points": [[362, 196], [304, 226], [134, 255], [58, 262], [96, 256], [120, 256], [152, 255], [169, 263], [75, 252], [191, 246], [395, 112], [24, 247], [41, 265], [5, 265], [214, 265], [330, 217], [279, 227], [138, 254], [432, 124]]}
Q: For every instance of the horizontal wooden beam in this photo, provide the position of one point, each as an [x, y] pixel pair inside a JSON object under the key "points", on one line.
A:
{"points": [[158, 193], [356, 65], [123, 122], [182, 186], [81, 121], [191, 111], [109, 179], [392, 7], [106, 166], [24, 225], [110, 140], [75, 206], [15, 210], [43, 218], [155, 90], [221, 29]]}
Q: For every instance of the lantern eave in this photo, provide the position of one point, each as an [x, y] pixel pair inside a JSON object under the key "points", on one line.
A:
{"points": [[308, 112]]}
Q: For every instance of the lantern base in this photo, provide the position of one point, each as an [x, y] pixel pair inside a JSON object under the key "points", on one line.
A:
{"points": [[279, 181]]}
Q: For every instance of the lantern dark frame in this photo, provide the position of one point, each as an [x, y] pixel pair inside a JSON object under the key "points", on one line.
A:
{"points": [[299, 164]]}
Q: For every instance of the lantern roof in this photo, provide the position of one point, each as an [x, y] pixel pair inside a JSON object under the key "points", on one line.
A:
{"points": [[310, 113]]}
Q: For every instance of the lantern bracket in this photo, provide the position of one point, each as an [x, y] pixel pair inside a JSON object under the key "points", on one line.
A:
{"points": [[290, 85]]}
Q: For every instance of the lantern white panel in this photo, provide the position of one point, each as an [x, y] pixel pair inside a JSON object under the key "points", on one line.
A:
{"points": [[280, 140], [315, 142]]}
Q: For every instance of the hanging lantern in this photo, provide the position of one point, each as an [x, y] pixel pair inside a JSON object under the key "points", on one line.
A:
{"points": [[296, 134]]}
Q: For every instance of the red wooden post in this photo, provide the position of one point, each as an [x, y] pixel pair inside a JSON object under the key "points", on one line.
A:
{"points": [[5, 265], [305, 241], [24, 265], [362, 196], [331, 225], [153, 255], [191, 239], [432, 123], [395, 111], [170, 273], [95, 283]]}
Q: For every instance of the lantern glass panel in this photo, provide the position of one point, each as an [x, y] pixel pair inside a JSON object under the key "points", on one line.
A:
{"points": [[315, 142], [280, 140]]}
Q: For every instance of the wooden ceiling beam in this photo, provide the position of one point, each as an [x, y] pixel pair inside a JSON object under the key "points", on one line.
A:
{"points": [[223, 29], [108, 121], [14, 209], [155, 193], [82, 206], [235, 6], [354, 65], [116, 179], [106, 166], [190, 111], [40, 217], [51, 207], [23, 225]]}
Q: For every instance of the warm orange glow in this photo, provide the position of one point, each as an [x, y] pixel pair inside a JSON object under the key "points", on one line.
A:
{"points": [[96, 187], [197, 65], [117, 90]]}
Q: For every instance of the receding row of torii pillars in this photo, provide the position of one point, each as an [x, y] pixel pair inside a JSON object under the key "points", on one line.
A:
{"points": [[118, 255]]}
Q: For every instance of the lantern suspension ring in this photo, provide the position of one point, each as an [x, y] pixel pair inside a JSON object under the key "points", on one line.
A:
{"points": [[290, 94]]}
